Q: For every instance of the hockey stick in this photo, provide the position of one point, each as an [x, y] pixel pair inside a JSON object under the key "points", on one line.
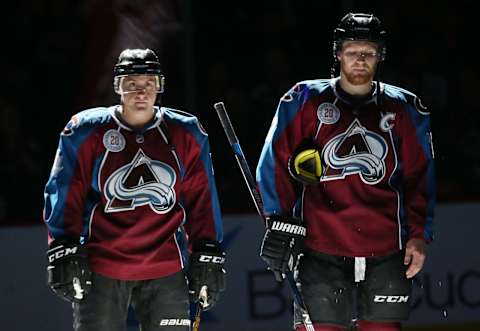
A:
{"points": [[202, 300], [257, 200]]}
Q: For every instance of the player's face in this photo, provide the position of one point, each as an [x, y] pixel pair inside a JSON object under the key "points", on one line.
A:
{"points": [[139, 93], [358, 61]]}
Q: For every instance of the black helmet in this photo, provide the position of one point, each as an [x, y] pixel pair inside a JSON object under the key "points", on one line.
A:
{"points": [[137, 62], [358, 26]]}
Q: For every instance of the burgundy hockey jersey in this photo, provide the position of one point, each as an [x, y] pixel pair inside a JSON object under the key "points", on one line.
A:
{"points": [[136, 198], [377, 188]]}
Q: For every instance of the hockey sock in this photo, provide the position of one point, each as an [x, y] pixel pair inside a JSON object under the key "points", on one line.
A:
{"points": [[363, 325]]}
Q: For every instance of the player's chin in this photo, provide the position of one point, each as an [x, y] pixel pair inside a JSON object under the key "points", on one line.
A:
{"points": [[360, 77], [142, 106]]}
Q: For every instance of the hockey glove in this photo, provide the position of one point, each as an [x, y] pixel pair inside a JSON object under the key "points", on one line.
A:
{"points": [[282, 243], [68, 274], [206, 269]]}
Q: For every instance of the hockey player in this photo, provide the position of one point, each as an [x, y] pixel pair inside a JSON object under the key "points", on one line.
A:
{"points": [[350, 159], [130, 194]]}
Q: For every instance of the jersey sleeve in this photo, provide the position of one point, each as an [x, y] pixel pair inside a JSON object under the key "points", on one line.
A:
{"points": [[199, 192], [68, 184], [417, 159], [291, 124]]}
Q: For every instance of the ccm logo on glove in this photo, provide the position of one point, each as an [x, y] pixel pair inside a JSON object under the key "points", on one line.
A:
{"points": [[61, 252], [391, 298], [289, 228], [213, 259]]}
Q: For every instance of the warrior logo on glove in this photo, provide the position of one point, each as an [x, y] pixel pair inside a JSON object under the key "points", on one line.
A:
{"points": [[282, 244]]}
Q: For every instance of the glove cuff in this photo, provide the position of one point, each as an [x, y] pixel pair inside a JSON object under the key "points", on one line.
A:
{"points": [[206, 245], [208, 251], [64, 249]]}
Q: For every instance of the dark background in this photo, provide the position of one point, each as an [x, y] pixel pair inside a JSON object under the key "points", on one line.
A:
{"points": [[57, 58]]}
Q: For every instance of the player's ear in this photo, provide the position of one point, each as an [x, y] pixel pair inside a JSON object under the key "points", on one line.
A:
{"points": [[338, 56]]}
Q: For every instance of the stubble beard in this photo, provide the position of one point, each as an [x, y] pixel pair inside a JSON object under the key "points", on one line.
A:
{"points": [[359, 78]]}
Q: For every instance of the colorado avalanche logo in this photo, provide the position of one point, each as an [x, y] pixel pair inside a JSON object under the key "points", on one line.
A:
{"points": [[141, 182], [357, 151]]}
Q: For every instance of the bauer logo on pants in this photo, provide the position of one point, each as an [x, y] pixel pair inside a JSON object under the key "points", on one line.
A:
{"points": [[175, 322]]}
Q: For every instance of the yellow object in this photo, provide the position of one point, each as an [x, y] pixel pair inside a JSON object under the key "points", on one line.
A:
{"points": [[307, 165]]}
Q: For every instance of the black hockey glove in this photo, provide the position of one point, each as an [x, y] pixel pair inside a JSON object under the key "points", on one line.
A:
{"points": [[206, 269], [282, 243], [68, 274]]}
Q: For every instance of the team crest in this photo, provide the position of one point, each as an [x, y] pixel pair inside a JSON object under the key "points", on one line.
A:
{"points": [[328, 113], [113, 141], [141, 182], [357, 151]]}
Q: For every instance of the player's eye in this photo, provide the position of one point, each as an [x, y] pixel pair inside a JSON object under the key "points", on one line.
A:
{"points": [[150, 85], [131, 86]]}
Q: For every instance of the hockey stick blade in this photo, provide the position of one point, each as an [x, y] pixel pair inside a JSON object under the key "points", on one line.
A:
{"points": [[257, 200]]}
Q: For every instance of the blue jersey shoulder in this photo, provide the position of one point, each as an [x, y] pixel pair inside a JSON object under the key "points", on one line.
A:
{"points": [[187, 120], [88, 118], [319, 85], [403, 96], [302, 90], [398, 93]]}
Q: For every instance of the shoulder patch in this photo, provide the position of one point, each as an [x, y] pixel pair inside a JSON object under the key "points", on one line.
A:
{"points": [[114, 141], [420, 107], [328, 113], [71, 126], [292, 93]]}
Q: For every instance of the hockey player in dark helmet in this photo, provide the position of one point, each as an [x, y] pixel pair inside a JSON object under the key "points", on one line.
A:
{"points": [[130, 199], [349, 159], [138, 79], [359, 27], [138, 62]]}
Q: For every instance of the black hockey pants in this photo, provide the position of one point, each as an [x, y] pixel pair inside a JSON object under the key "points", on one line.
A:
{"points": [[160, 304]]}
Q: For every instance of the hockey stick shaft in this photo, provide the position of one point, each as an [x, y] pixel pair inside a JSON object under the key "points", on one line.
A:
{"points": [[239, 156], [196, 322], [257, 199], [202, 298]]}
